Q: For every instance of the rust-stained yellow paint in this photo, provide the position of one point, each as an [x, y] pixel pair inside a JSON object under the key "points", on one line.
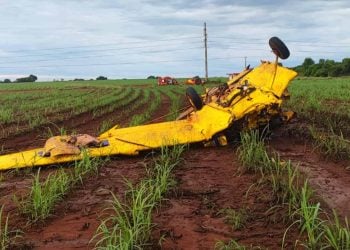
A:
{"points": [[199, 126]]}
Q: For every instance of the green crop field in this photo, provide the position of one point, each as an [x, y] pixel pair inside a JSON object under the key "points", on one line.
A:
{"points": [[26, 106], [319, 95], [322, 106]]}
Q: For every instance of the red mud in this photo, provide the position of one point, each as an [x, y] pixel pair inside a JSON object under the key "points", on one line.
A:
{"points": [[331, 180], [208, 182], [76, 219]]}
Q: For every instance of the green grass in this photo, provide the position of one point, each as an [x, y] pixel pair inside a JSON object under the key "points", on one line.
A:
{"points": [[252, 152], [321, 94], [337, 234], [309, 219], [323, 104], [292, 190], [233, 245], [129, 226], [86, 166], [105, 125], [237, 218], [317, 100], [331, 144], [6, 116], [154, 103], [44, 195], [5, 239]]}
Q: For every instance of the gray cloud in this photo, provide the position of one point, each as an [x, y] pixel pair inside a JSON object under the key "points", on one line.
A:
{"points": [[235, 29]]}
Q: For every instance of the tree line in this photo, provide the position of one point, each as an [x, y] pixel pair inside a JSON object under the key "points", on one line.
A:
{"points": [[30, 78], [33, 78], [324, 68]]}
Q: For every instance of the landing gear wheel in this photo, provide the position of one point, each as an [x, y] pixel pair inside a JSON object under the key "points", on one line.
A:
{"points": [[194, 99], [279, 48]]}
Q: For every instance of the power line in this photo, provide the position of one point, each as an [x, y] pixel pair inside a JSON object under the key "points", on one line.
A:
{"points": [[222, 47], [264, 41], [213, 44], [141, 47], [96, 50], [120, 63], [150, 52], [261, 49], [103, 45], [241, 41], [108, 55]]}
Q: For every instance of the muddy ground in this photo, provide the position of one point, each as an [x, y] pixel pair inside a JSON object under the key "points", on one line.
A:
{"points": [[329, 178], [191, 217], [209, 181]]}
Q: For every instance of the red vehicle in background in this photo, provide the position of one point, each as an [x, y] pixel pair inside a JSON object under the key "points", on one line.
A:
{"points": [[166, 80]]}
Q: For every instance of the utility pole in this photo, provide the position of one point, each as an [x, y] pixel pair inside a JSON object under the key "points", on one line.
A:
{"points": [[206, 51], [245, 62]]}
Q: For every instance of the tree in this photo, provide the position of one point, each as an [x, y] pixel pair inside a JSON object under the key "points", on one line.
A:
{"points": [[30, 78], [101, 78], [151, 77], [346, 65], [335, 70], [321, 72], [33, 78], [324, 67], [7, 81], [308, 62], [329, 64]]}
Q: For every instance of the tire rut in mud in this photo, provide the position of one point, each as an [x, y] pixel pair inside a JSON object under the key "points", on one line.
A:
{"points": [[329, 179]]}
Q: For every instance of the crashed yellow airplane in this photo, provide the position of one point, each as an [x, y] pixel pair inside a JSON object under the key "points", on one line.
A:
{"points": [[251, 99]]}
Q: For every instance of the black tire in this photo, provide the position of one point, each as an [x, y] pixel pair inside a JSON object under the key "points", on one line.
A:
{"points": [[197, 80], [279, 48], [194, 99]]}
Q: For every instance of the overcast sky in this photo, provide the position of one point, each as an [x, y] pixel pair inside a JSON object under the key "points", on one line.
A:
{"points": [[135, 39]]}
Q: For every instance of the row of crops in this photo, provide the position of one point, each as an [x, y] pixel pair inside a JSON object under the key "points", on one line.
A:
{"points": [[40, 104]]}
